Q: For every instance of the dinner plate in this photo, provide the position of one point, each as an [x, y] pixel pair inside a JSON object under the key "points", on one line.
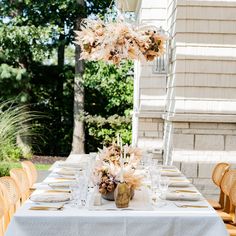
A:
{"points": [[50, 197], [72, 165], [179, 182], [166, 167], [68, 171], [61, 184], [65, 177], [170, 173]]}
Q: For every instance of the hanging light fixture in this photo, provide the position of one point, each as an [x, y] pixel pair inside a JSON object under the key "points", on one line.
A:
{"points": [[114, 41]]}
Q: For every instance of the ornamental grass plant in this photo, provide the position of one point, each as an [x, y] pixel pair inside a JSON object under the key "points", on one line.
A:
{"points": [[15, 127]]}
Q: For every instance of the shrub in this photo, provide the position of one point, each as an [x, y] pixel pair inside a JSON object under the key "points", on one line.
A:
{"points": [[108, 103], [103, 131], [15, 122], [4, 169]]}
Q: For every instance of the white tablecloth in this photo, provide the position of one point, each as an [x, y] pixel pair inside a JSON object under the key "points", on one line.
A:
{"points": [[167, 220]]}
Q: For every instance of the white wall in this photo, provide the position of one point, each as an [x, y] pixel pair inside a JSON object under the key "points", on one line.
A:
{"points": [[203, 69], [151, 87]]}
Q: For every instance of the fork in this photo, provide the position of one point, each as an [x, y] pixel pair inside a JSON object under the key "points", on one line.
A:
{"points": [[190, 206], [46, 208]]}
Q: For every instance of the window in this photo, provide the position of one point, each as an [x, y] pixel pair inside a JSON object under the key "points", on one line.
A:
{"points": [[161, 63]]}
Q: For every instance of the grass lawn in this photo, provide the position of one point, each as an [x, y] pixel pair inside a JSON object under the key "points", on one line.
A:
{"points": [[5, 167], [38, 166]]}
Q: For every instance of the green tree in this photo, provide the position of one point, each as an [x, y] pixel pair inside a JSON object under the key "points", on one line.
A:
{"points": [[109, 102], [30, 30]]}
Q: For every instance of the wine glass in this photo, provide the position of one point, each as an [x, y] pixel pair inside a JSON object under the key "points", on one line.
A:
{"points": [[83, 189], [163, 185], [155, 162], [74, 189], [154, 182]]}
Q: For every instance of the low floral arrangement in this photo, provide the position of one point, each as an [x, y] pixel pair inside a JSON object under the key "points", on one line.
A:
{"points": [[108, 168], [117, 40]]}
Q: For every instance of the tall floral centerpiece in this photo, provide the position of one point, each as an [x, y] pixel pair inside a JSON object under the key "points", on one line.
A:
{"points": [[107, 171], [113, 41], [117, 40]]}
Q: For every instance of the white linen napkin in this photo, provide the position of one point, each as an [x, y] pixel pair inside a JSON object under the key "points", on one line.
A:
{"points": [[61, 184], [170, 173], [179, 182], [50, 197], [66, 171], [80, 165], [183, 196]]}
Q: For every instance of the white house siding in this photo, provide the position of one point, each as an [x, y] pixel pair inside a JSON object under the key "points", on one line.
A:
{"points": [[152, 87], [193, 112], [202, 80], [201, 92]]}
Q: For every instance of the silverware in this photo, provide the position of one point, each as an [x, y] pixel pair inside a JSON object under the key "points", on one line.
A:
{"points": [[112, 209], [46, 208], [191, 206], [184, 191], [101, 209], [58, 191]]}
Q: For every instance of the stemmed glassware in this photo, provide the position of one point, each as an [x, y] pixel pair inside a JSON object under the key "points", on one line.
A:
{"points": [[146, 160], [79, 189], [74, 189], [163, 186], [160, 186]]}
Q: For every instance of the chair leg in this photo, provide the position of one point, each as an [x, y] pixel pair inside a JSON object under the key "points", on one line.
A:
{"points": [[1, 227], [222, 199], [6, 220], [227, 205]]}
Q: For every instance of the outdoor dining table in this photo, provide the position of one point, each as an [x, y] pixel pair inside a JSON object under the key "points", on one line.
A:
{"points": [[166, 220]]}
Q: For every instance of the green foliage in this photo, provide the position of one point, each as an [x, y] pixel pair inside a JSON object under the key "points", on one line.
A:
{"points": [[56, 129], [4, 169], [14, 122], [10, 152], [109, 88], [31, 33], [103, 131], [108, 103], [30, 29], [13, 82], [25, 43]]}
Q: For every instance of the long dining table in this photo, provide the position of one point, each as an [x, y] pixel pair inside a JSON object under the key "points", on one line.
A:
{"points": [[169, 219]]}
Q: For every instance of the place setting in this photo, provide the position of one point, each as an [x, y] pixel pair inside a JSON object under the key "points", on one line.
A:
{"points": [[172, 191]]}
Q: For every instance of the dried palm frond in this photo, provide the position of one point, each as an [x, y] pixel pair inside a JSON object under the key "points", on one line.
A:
{"points": [[107, 171], [115, 41]]}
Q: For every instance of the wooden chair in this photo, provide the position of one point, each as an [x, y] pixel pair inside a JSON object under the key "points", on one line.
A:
{"points": [[226, 185], [217, 176], [11, 193], [231, 227], [2, 226], [21, 179], [5, 205], [31, 172]]}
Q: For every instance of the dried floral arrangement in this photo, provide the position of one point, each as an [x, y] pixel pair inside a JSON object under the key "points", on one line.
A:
{"points": [[115, 41], [107, 168]]}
